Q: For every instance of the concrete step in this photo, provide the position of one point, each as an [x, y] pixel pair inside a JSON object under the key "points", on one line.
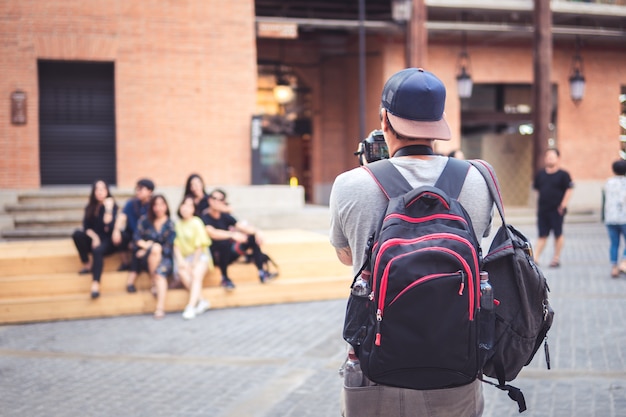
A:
{"points": [[63, 205]]}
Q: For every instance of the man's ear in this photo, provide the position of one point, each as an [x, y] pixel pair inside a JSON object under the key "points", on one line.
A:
{"points": [[384, 121]]}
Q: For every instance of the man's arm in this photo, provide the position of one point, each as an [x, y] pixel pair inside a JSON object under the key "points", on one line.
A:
{"points": [[344, 255], [566, 197]]}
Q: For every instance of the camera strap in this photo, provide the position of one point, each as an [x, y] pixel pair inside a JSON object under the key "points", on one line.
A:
{"points": [[414, 150]]}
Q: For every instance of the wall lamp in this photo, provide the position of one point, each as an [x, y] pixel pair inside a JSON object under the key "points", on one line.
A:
{"points": [[283, 91], [464, 81], [401, 10], [577, 77]]}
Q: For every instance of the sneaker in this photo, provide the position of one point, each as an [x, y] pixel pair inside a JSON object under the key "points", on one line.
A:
{"points": [[265, 276], [131, 288], [189, 313], [203, 305], [227, 284]]}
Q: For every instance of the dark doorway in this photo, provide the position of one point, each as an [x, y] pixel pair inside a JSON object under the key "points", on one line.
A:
{"points": [[76, 122]]}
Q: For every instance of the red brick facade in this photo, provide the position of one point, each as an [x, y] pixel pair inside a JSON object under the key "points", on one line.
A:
{"points": [[186, 84]]}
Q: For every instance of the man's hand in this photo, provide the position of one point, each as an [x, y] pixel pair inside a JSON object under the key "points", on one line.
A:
{"points": [[239, 237]]}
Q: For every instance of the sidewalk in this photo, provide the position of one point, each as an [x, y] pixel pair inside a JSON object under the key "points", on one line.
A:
{"points": [[282, 360]]}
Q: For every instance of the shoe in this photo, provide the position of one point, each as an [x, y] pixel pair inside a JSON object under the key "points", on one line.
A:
{"points": [[84, 271], [95, 290], [227, 284], [203, 305], [554, 264], [159, 314], [123, 267], [265, 276], [189, 313], [131, 288], [615, 271]]}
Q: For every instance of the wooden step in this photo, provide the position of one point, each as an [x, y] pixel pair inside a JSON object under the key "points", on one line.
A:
{"points": [[60, 255], [39, 280], [72, 283], [79, 306]]}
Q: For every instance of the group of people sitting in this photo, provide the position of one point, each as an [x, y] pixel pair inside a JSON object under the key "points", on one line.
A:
{"points": [[173, 252]]}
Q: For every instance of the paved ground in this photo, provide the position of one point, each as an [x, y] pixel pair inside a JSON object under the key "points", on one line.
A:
{"points": [[282, 360]]}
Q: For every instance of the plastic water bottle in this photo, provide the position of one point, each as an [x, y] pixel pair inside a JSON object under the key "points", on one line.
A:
{"points": [[352, 373], [487, 315], [361, 287]]}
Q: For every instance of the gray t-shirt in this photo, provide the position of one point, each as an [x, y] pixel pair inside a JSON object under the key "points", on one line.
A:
{"points": [[357, 203]]}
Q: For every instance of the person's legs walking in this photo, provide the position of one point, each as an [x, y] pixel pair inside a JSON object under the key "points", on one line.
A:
{"points": [[543, 231], [556, 221], [614, 233], [622, 262]]}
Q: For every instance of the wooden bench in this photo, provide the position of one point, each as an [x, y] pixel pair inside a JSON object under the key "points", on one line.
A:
{"points": [[39, 280]]}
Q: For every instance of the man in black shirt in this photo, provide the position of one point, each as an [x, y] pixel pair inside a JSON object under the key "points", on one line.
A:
{"points": [[554, 186], [232, 239]]}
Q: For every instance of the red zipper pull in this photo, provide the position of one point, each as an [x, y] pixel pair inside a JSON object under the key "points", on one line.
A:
{"points": [[379, 318], [462, 287]]}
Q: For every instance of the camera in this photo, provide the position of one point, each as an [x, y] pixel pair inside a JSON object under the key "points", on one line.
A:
{"points": [[372, 148]]}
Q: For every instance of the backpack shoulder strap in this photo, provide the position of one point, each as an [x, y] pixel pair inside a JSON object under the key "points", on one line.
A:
{"points": [[489, 175], [453, 176], [388, 178], [393, 184]]}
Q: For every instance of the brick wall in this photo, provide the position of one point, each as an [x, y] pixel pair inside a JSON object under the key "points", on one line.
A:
{"points": [[185, 76]]}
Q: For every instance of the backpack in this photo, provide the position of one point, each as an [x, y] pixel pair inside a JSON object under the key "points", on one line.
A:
{"points": [[417, 327], [524, 314]]}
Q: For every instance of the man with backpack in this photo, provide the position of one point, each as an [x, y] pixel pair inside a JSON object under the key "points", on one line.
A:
{"points": [[412, 118]]}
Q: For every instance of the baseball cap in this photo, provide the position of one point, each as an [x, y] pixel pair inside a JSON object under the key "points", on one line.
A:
{"points": [[145, 182], [415, 100]]}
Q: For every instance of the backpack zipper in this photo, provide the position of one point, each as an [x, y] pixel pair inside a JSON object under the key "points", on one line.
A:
{"points": [[410, 219], [383, 284], [430, 194], [431, 277], [399, 241]]}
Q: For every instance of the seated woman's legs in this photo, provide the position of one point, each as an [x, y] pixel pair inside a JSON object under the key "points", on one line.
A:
{"points": [[192, 277], [83, 246], [106, 248], [159, 281]]}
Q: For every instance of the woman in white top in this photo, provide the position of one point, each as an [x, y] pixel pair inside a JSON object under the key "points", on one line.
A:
{"points": [[614, 214]]}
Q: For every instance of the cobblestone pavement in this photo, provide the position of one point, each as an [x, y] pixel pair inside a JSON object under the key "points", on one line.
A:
{"points": [[282, 360]]}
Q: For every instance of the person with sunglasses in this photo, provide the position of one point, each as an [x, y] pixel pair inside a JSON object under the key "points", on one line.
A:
{"points": [[232, 239]]}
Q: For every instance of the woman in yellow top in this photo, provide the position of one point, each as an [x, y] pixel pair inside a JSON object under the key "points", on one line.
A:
{"points": [[192, 258]]}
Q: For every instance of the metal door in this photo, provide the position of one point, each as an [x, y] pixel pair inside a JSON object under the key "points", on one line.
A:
{"points": [[76, 122]]}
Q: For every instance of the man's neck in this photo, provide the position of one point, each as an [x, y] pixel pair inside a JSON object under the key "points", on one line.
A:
{"points": [[214, 213]]}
